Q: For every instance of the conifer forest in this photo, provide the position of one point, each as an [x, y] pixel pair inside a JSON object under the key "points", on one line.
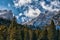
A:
{"points": [[11, 30]]}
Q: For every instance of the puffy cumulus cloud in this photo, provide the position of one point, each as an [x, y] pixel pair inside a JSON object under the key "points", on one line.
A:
{"points": [[17, 16], [20, 14], [54, 5], [23, 19], [32, 13], [21, 2], [9, 5]]}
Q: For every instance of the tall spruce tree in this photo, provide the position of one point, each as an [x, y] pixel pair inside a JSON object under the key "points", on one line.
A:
{"points": [[39, 35], [25, 33], [3, 32], [12, 30], [59, 35], [52, 31], [44, 34], [18, 33], [34, 37], [30, 34]]}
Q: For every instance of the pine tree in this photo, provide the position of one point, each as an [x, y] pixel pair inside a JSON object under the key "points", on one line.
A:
{"points": [[52, 31], [39, 34], [18, 33], [34, 37], [1, 32], [25, 33], [30, 34], [44, 34], [59, 35], [12, 30]]}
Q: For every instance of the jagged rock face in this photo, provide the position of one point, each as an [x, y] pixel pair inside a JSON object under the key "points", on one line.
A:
{"points": [[6, 14]]}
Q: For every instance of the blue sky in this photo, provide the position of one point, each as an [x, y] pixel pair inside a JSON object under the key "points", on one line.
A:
{"points": [[25, 10]]}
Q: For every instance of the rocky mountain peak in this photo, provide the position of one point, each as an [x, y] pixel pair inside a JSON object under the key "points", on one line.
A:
{"points": [[43, 19]]}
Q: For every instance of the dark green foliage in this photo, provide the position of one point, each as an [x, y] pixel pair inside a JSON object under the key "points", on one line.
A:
{"points": [[16, 31], [57, 34], [44, 34], [34, 36], [52, 31]]}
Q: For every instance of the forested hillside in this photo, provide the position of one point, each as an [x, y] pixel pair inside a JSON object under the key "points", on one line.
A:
{"points": [[11, 30]]}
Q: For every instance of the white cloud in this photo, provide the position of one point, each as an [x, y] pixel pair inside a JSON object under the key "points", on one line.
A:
{"points": [[32, 13], [44, 6], [20, 14], [9, 5], [21, 2], [23, 19], [17, 17], [55, 3], [47, 7], [16, 4]]}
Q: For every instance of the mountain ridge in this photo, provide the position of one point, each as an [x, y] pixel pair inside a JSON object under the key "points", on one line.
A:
{"points": [[6, 14], [43, 19]]}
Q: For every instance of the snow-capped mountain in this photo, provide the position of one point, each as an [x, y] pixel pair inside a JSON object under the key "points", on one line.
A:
{"points": [[6, 14], [44, 19], [32, 9], [35, 12]]}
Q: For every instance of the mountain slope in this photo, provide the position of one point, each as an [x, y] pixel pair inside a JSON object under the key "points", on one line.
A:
{"points": [[43, 19], [6, 14]]}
